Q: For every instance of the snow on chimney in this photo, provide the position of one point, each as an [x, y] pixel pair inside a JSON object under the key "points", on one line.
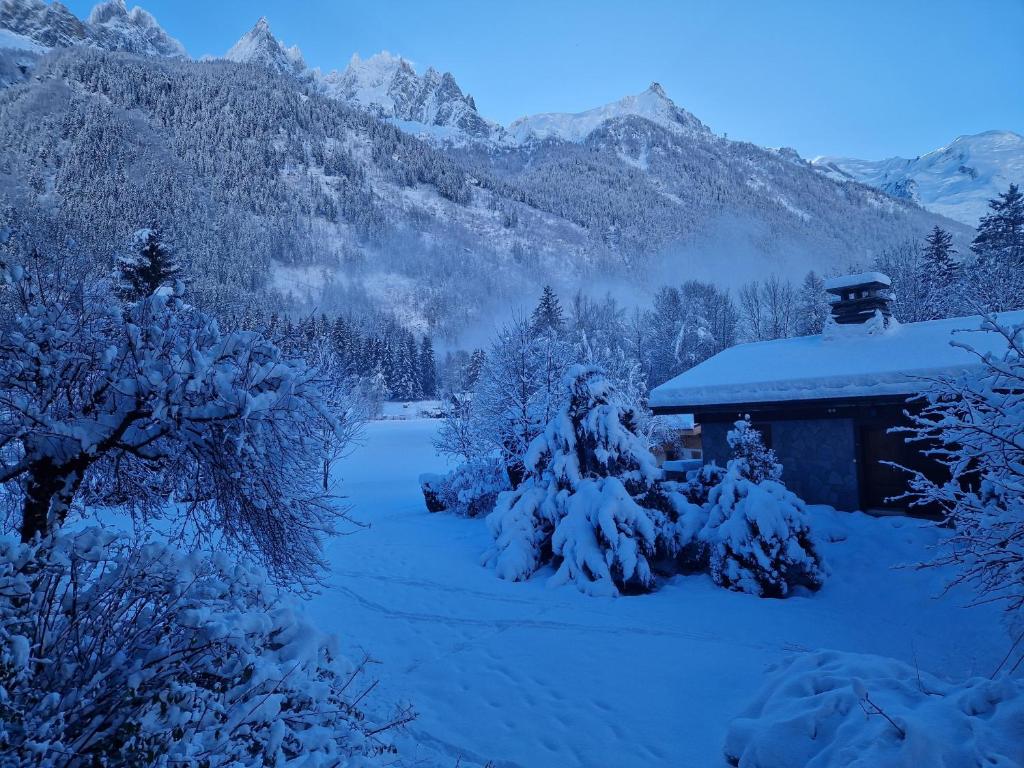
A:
{"points": [[856, 299]]}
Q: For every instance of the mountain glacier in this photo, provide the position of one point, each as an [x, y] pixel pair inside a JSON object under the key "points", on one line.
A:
{"points": [[956, 180]]}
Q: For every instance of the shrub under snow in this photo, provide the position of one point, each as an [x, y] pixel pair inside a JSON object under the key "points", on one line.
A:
{"points": [[829, 709], [469, 490], [758, 531], [117, 654]]}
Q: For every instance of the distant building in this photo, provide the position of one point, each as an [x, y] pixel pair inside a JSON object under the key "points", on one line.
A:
{"points": [[826, 403]]}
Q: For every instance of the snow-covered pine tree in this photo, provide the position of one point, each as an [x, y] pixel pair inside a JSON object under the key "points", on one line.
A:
{"points": [[548, 316], [941, 274], [578, 504], [999, 248], [473, 369], [149, 264], [758, 531], [408, 365], [754, 460], [427, 369], [812, 309]]}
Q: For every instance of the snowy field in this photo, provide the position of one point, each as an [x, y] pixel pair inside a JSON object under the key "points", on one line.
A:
{"points": [[528, 675]]}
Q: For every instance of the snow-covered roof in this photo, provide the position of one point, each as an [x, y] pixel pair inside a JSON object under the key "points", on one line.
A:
{"points": [[861, 278], [852, 363]]}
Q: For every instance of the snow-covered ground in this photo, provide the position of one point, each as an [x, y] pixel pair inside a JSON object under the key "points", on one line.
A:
{"points": [[528, 675]]}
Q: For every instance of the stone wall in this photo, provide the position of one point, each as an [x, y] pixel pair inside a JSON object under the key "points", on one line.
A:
{"points": [[818, 457]]}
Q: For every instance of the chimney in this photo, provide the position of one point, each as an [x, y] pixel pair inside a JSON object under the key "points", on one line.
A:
{"points": [[856, 298]]}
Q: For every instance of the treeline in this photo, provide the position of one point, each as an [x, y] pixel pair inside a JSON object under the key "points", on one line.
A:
{"points": [[389, 359], [686, 324]]}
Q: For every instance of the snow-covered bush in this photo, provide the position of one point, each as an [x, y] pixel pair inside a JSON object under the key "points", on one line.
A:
{"points": [[754, 460], [163, 405], [577, 505], [829, 709], [119, 654], [758, 531], [973, 424], [469, 490], [698, 485]]}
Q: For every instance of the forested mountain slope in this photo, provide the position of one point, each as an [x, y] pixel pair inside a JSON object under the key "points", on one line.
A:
{"points": [[281, 193]]}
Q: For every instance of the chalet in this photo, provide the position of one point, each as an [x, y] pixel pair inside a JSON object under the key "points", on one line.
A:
{"points": [[826, 403]]}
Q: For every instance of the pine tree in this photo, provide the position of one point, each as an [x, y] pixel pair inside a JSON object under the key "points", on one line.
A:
{"points": [[755, 461], [427, 369], [149, 265], [1001, 232], [548, 316], [580, 504], [941, 274], [758, 531], [999, 247], [473, 369]]}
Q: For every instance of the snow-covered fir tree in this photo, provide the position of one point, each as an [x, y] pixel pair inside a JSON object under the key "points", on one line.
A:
{"points": [[578, 504], [149, 264], [999, 249], [427, 368], [759, 532], [519, 390], [941, 275], [548, 316], [754, 460]]}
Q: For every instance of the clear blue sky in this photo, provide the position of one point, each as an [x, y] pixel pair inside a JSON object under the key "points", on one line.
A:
{"points": [[863, 78]]}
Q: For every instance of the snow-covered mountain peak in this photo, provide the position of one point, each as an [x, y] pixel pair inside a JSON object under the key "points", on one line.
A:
{"points": [[652, 104], [656, 89], [110, 26], [259, 46], [432, 103], [956, 180]]}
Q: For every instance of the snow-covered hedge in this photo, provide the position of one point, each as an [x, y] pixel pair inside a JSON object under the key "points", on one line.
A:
{"points": [[120, 654], [469, 490], [829, 709]]}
